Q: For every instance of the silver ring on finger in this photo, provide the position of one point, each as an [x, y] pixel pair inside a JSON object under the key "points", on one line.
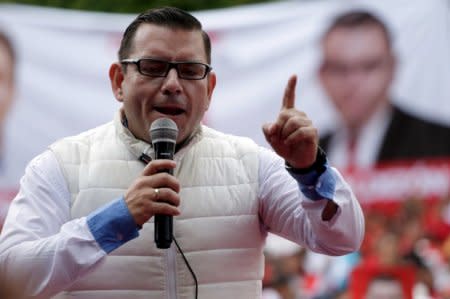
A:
{"points": [[156, 191]]}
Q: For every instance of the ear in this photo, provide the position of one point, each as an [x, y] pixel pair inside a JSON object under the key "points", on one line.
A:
{"points": [[211, 85], [116, 78]]}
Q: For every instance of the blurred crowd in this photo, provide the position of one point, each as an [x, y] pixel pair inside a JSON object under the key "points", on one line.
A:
{"points": [[406, 242]]}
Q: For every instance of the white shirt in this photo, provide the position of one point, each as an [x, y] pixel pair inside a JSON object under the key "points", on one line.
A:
{"points": [[368, 143], [39, 229]]}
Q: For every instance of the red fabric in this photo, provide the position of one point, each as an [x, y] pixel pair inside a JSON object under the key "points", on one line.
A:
{"points": [[364, 273]]}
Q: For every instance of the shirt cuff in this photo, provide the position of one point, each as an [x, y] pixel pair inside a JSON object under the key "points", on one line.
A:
{"points": [[317, 186], [112, 225]]}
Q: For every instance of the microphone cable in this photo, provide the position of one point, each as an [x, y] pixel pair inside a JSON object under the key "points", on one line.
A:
{"points": [[188, 266], [146, 159]]}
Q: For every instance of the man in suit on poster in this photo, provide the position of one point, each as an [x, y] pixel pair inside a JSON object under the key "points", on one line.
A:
{"points": [[7, 74], [7, 88], [356, 73]]}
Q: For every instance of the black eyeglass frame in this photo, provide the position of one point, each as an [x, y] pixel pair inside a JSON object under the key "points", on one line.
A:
{"points": [[170, 65]]}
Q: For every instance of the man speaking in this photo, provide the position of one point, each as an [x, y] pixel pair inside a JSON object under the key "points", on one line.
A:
{"points": [[82, 225]]}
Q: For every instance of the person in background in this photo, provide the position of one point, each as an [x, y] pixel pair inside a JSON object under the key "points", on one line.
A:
{"points": [[357, 72], [7, 82], [7, 90], [83, 221], [284, 269], [385, 287]]}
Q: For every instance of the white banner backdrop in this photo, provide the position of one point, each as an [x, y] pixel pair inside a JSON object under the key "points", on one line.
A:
{"points": [[64, 56]]}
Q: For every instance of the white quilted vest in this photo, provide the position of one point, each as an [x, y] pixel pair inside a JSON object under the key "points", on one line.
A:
{"points": [[218, 229]]}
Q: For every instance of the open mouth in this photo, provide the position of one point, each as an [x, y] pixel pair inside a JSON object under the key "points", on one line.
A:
{"points": [[169, 110]]}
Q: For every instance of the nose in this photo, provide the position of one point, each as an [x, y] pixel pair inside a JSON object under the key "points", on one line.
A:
{"points": [[171, 84], [355, 77]]}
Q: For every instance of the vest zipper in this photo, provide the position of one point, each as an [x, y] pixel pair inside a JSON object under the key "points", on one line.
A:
{"points": [[171, 256]]}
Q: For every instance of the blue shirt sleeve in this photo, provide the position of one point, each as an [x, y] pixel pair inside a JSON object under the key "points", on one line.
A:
{"points": [[316, 186], [112, 225]]}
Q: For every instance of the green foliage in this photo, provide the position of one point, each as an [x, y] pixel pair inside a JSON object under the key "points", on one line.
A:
{"points": [[135, 6]]}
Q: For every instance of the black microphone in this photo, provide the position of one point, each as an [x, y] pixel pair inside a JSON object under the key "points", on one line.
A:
{"points": [[163, 133]]}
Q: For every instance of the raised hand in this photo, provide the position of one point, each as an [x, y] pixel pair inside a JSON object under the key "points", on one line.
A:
{"points": [[292, 135]]}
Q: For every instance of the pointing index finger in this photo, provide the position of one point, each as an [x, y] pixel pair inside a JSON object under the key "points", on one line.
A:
{"points": [[289, 93]]}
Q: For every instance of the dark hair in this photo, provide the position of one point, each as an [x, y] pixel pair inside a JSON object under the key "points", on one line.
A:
{"points": [[4, 39], [357, 18], [170, 17]]}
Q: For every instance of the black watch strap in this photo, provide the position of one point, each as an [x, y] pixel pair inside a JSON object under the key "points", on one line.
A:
{"points": [[319, 165]]}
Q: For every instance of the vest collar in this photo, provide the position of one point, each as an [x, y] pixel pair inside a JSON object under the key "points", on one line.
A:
{"points": [[138, 147]]}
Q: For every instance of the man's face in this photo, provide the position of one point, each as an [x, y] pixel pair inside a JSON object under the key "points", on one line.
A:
{"points": [[6, 79], [357, 70], [146, 99]]}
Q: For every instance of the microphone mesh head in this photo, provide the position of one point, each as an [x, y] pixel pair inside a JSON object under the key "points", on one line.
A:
{"points": [[163, 129]]}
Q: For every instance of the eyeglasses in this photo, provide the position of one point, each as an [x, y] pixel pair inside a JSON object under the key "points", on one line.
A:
{"points": [[160, 68]]}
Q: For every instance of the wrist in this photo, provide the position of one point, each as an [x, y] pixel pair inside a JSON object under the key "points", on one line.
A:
{"points": [[319, 165]]}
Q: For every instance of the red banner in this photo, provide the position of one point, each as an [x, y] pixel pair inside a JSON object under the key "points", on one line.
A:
{"points": [[401, 180]]}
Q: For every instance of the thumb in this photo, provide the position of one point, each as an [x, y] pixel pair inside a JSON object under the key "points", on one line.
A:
{"points": [[267, 130]]}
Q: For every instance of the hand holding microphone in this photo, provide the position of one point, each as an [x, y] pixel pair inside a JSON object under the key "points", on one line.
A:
{"points": [[155, 191]]}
